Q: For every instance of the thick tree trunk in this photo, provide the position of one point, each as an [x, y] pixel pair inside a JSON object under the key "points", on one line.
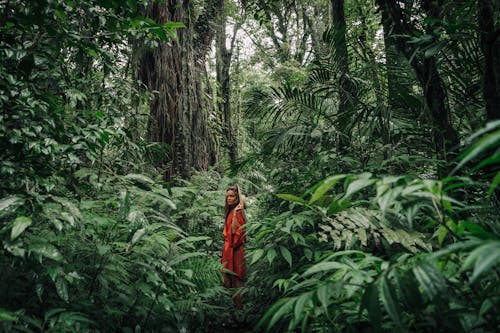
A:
{"points": [[223, 65], [341, 58], [490, 45], [174, 70]]}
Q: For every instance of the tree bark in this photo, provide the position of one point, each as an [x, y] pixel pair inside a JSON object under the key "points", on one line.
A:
{"points": [[174, 70], [341, 58], [490, 45], [223, 65], [445, 136]]}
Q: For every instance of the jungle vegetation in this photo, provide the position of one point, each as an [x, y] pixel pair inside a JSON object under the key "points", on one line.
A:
{"points": [[365, 135]]}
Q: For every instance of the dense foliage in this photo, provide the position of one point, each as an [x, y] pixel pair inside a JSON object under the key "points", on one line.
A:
{"points": [[365, 135]]}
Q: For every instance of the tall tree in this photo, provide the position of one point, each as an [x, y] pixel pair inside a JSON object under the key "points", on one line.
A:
{"points": [[426, 71], [490, 45], [341, 58], [223, 67], [174, 70]]}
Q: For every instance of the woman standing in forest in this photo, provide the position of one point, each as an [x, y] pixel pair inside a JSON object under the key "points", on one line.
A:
{"points": [[233, 254]]}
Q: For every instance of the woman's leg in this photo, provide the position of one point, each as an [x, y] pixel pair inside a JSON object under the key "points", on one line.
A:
{"points": [[227, 280], [238, 299]]}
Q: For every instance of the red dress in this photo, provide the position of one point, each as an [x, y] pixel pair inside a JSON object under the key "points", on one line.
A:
{"points": [[233, 254]]}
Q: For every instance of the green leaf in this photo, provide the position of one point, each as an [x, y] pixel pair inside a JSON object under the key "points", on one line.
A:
{"points": [[138, 178], [300, 304], [132, 4], [389, 300], [494, 185], [7, 316], [53, 312], [441, 235], [271, 254], [138, 235], [291, 197], [326, 185], [62, 289], [434, 49], [286, 254], [488, 256], [282, 310], [257, 254], [184, 256], [174, 25], [46, 250], [323, 293], [10, 203], [20, 224], [102, 249], [370, 302], [325, 266], [484, 144], [358, 185]]}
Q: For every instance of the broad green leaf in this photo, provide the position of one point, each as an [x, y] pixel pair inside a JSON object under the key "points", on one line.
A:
{"points": [[10, 202], [271, 254], [323, 293], [282, 311], [73, 209], [325, 266], [257, 254], [286, 254], [47, 250], [20, 224], [62, 289], [272, 311], [441, 235], [488, 256], [358, 185], [326, 185], [430, 280], [7, 316], [291, 197], [300, 304]]}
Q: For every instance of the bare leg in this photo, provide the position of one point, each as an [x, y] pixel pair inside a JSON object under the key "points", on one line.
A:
{"points": [[227, 280], [238, 299]]}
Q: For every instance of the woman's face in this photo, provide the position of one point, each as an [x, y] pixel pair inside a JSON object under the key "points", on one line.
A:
{"points": [[231, 197]]}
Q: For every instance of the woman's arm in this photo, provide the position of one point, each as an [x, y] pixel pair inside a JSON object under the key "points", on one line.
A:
{"points": [[238, 229]]}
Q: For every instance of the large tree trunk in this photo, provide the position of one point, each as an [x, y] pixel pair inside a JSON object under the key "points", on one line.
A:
{"points": [[174, 70], [445, 136], [341, 58], [490, 45], [223, 65]]}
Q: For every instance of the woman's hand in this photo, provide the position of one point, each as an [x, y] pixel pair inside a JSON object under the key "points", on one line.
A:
{"points": [[239, 207]]}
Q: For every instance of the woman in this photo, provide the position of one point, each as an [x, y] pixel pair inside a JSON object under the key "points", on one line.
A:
{"points": [[233, 254]]}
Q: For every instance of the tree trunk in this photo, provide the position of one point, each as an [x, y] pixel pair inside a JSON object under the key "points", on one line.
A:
{"points": [[341, 58], [223, 65], [490, 45], [174, 70], [445, 136]]}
